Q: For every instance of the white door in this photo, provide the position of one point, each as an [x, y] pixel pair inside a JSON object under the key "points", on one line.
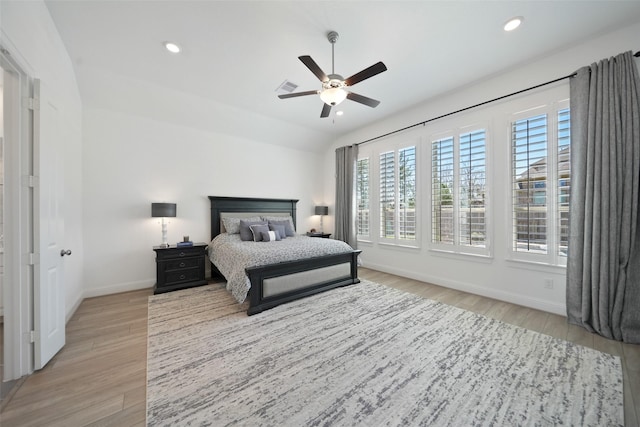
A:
{"points": [[48, 295]]}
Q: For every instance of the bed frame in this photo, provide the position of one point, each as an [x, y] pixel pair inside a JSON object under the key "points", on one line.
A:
{"points": [[295, 279]]}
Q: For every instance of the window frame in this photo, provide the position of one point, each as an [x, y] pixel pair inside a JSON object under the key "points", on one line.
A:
{"points": [[552, 258], [456, 247], [373, 153], [397, 240]]}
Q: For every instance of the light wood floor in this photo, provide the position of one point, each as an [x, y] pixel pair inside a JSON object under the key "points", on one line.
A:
{"points": [[99, 377]]}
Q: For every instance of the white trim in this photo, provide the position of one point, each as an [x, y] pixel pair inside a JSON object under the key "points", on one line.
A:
{"points": [[18, 222], [501, 295], [73, 309], [119, 287]]}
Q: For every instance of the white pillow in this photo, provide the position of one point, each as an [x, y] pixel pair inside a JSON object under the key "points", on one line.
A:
{"points": [[270, 236]]}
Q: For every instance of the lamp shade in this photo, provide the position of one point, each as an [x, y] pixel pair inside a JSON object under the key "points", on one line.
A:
{"points": [[333, 96], [163, 210], [322, 210]]}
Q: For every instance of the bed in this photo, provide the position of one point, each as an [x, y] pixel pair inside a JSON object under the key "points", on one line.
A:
{"points": [[272, 284]]}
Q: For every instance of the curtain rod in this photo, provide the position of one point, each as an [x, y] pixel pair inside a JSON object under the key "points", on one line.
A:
{"points": [[637, 55]]}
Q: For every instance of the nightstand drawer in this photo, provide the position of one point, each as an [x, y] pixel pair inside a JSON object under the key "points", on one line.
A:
{"points": [[176, 253], [188, 275], [178, 264]]}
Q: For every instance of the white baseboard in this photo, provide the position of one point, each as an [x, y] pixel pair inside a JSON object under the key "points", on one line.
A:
{"points": [[120, 287], [498, 294], [75, 306]]}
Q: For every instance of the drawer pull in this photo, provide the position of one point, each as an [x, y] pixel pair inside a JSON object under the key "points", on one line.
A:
{"points": [[182, 254], [182, 264], [182, 276]]}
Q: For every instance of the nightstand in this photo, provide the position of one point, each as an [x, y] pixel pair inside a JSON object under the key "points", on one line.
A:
{"points": [[180, 267], [323, 235]]}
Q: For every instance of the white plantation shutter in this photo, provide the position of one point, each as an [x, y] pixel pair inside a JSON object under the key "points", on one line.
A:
{"points": [[442, 188], [362, 197], [529, 183], [471, 195], [407, 193], [564, 180], [387, 195]]}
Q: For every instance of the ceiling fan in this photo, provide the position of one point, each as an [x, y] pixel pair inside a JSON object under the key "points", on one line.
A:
{"points": [[334, 86]]}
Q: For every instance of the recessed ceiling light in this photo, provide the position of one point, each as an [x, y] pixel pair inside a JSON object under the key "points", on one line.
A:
{"points": [[513, 23], [172, 47], [339, 113]]}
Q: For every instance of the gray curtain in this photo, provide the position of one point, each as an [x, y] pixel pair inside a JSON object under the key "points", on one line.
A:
{"points": [[603, 266], [346, 158]]}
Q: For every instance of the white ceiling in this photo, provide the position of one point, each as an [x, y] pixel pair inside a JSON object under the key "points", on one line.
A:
{"points": [[239, 52]]}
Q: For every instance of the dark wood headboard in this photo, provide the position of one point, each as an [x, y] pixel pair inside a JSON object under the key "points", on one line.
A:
{"points": [[248, 204]]}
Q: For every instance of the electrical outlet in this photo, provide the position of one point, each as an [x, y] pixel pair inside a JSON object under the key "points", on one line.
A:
{"points": [[548, 283]]}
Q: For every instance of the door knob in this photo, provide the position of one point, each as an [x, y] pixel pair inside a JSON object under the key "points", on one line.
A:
{"points": [[63, 252]]}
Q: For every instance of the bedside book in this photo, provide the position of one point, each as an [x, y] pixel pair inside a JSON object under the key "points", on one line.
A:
{"points": [[183, 244]]}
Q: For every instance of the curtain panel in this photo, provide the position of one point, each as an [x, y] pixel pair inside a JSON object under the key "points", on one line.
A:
{"points": [[345, 229], [603, 266]]}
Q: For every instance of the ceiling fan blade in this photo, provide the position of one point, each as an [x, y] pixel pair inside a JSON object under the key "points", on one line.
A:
{"points": [[326, 109], [315, 69], [366, 73], [293, 95], [363, 99]]}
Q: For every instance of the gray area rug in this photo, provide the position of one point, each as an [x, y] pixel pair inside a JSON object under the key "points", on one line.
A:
{"points": [[365, 355]]}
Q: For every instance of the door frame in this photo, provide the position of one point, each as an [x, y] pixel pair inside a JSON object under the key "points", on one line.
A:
{"points": [[19, 258]]}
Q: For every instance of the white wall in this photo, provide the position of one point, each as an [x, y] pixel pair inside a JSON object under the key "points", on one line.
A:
{"points": [[30, 35], [495, 277], [131, 161]]}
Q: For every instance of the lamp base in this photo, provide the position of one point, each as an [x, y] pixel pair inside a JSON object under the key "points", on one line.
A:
{"points": [[163, 245]]}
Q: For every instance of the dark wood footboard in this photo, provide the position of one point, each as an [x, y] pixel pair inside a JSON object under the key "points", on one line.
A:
{"points": [[257, 275]]}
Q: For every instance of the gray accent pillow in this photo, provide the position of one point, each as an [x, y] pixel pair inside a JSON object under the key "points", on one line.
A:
{"points": [[288, 228], [280, 218], [257, 230], [245, 231], [279, 229], [270, 236], [232, 224]]}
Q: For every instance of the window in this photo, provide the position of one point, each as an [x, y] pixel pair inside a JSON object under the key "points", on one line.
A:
{"points": [[529, 165], [458, 186], [387, 195], [564, 179], [442, 187], [398, 194], [362, 197], [540, 171], [471, 201]]}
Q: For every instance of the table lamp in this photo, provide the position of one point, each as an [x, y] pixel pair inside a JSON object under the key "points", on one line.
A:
{"points": [[163, 210], [322, 210]]}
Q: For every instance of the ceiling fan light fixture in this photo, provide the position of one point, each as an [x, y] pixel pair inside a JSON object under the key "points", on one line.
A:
{"points": [[333, 96]]}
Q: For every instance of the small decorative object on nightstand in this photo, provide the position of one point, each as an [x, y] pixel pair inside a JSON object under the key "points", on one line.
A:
{"points": [[180, 268]]}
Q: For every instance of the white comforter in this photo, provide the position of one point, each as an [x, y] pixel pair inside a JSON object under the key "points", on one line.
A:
{"points": [[232, 256]]}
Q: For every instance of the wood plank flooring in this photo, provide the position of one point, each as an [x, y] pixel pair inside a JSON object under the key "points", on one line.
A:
{"points": [[99, 377]]}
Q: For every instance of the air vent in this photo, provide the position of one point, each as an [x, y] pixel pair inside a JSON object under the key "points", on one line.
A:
{"points": [[286, 87]]}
